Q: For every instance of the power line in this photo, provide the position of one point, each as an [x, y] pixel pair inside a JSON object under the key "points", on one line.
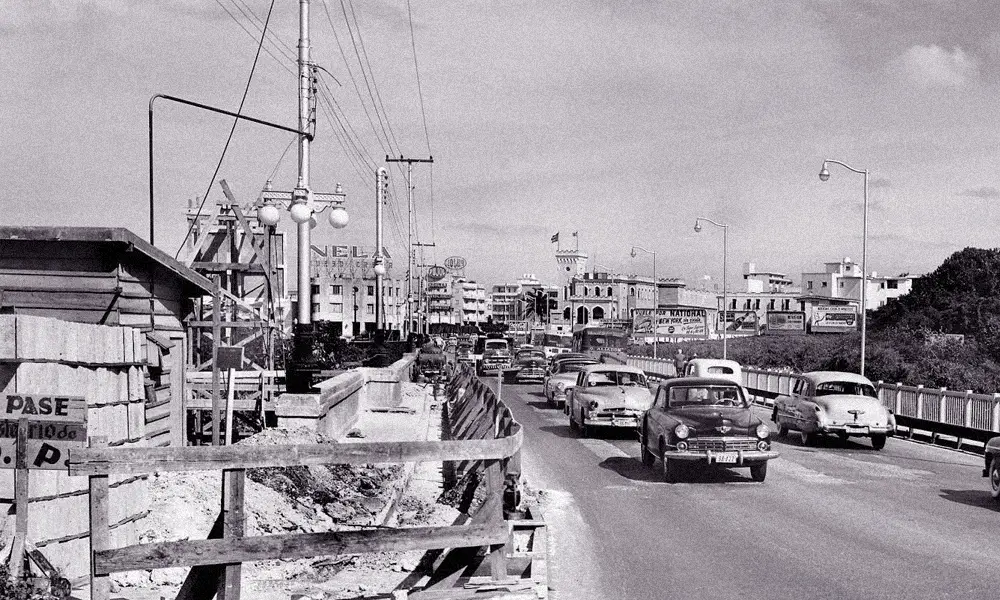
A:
{"points": [[239, 111], [254, 37], [364, 74], [385, 113], [416, 68]]}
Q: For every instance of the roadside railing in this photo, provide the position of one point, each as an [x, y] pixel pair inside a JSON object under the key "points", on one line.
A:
{"points": [[965, 416], [494, 443]]}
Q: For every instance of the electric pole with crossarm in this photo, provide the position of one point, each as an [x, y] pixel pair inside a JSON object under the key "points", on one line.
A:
{"points": [[409, 232]]}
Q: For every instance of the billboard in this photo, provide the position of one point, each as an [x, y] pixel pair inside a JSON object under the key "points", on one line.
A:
{"points": [[671, 321], [740, 321], [786, 322], [834, 319]]}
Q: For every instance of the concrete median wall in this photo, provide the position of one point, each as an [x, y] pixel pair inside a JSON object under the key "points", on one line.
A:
{"points": [[335, 409]]}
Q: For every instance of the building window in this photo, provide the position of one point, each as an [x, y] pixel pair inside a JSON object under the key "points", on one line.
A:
{"points": [[770, 305], [598, 312], [597, 292], [732, 304], [746, 304], [841, 283], [785, 304], [809, 285], [371, 290], [824, 284], [336, 290], [337, 307], [315, 289], [370, 309], [892, 284], [756, 304], [586, 290], [631, 291], [566, 314], [609, 292]]}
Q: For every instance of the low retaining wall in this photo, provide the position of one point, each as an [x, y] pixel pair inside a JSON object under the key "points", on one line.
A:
{"points": [[335, 409]]}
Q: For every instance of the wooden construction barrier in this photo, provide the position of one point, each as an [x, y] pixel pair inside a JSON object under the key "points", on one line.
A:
{"points": [[494, 442]]}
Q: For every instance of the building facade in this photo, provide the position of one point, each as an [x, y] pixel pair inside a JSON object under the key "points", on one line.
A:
{"points": [[843, 280], [344, 290]]}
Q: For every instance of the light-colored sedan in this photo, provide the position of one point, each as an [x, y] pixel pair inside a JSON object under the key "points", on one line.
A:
{"points": [[608, 396], [561, 377], [831, 402]]}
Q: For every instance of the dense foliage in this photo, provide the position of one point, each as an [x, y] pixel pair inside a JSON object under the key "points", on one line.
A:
{"points": [[962, 296]]}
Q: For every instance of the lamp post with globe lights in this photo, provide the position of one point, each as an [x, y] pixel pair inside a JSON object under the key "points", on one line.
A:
{"points": [[824, 175], [656, 297], [725, 280]]}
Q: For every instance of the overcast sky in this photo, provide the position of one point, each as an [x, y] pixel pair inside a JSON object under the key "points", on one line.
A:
{"points": [[623, 120]]}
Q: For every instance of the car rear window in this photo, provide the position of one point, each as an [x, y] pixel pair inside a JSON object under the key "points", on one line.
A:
{"points": [[719, 369], [845, 387]]}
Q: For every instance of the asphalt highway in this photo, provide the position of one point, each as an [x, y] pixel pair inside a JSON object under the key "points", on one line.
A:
{"points": [[838, 521]]}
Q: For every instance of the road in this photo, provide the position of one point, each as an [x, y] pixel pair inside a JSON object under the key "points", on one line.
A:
{"points": [[837, 521]]}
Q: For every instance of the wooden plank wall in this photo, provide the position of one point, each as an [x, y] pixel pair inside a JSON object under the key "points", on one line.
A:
{"points": [[105, 365]]}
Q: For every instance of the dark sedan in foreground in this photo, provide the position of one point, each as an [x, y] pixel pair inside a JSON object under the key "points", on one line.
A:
{"points": [[696, 422]]}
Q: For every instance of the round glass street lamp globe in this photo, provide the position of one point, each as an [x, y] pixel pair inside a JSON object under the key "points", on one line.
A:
{"points": [[301, 213], [268, 215], [339, 217], [379, 269], [313, 222]]}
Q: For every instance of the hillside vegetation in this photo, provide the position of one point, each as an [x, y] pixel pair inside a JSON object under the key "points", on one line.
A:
{"points": [[962, 296]]}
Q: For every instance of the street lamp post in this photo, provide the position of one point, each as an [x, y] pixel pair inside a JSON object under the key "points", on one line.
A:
{"points": [[656, 298], [725, 279], [824, 175], [355, 328]]}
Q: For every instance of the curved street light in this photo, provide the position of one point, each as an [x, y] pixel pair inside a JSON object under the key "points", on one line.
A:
{"points": [[824, 175], [656, 297], [725, 281]]}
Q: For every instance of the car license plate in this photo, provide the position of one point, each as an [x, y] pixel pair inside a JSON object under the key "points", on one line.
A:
{"points": [[622, 423], [856, 429], [726, 457]]}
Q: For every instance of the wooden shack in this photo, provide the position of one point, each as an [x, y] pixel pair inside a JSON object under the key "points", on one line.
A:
{"points": [[109, 276]]}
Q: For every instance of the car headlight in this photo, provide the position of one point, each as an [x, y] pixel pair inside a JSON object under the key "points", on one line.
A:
{"points": [[763, 431], [681, 431], [593, 405], [561, 386]]}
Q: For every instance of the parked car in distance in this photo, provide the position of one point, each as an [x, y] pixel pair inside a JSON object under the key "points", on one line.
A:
{"points": [[992, 470], [607, 396], [561, 376], [831, 402], [700, 421], [714, 367]]}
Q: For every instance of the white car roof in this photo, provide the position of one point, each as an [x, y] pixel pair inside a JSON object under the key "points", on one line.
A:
{"points": [[720, 362], [609, 367], [825, 376]]}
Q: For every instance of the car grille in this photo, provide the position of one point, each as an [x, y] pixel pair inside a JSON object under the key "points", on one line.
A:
{"points": [[722, 443], [531, 373]]}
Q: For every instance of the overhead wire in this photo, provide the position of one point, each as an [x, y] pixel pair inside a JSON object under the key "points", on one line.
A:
{"points": [[254, 37], [232, 131], [378, 95]]}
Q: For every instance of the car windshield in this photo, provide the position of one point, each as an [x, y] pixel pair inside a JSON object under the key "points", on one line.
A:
{"points": [[605, 378], [496, 345], [573, 367], [706, 395], [850, 388]]}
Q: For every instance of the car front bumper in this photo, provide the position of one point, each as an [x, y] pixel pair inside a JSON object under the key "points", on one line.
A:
{"points": [[743, 457], [618, 421]]}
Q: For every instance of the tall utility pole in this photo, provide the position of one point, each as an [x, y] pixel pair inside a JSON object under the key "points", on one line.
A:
{"points": [[381, 185], [409, 231], [303, 229], [420, 282]]}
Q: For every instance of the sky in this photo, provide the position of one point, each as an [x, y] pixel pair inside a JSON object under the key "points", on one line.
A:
{"points": [[621, 120]]}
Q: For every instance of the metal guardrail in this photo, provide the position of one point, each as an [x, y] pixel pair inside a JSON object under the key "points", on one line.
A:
{"points": [[939, 411]]}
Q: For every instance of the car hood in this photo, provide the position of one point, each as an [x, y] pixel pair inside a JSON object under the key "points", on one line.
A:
{"points": [[567, 378], [704, 419], [619, 396]]}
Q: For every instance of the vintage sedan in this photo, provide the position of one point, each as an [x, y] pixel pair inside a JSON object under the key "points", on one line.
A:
{"points": [[831, 402], [702, 421], [528, 368], [992, 469], [607, 396], [562, 376]]}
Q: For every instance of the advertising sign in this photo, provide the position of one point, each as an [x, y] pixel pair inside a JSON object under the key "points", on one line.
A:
{"points": [[786, 322], [436, 273], [54, 424], [740, 321], [834, 319], [671, 321], [455, 263]]}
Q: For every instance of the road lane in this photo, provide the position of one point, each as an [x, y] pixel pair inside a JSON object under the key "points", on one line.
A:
{"points": [[835, 521]]}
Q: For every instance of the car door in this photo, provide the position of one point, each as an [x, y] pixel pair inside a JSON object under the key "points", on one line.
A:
{"points": [[654, 418], [792, 404]]}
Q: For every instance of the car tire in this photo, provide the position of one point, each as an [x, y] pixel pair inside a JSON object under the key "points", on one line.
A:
{"points": [[843, 437], [878, 441], [808, 437], [995, 478], [645, 454], [774, 415], [671, 468], [758, 472], [584, 430], [782, 430], [572, 421]]}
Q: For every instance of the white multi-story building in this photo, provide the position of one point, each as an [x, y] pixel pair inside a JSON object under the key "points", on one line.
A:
{"points": [[842, 280]]}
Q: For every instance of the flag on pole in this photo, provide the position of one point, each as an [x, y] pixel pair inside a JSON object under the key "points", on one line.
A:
{"points": [[575, 233], [555, 238]]}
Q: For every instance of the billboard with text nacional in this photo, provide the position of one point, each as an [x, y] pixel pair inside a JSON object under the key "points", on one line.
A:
{"points": [[834, 319], [686, 322]]}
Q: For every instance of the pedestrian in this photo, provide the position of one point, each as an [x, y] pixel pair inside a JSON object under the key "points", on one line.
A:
{"points": [[679, 361]]}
